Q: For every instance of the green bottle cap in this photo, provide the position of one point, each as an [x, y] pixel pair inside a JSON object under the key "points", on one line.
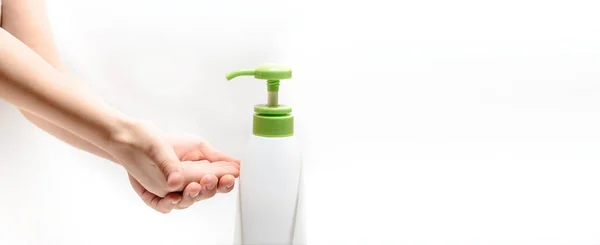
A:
{"points": [[271, 119]]}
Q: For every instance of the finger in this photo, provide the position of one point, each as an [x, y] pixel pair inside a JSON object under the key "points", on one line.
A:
{"points": [[226, 183], [207, 194], [173, 171], [209, 182], [200, 168], [190, 193], [213, 154], [154, 201], [148, 197], [168, 203], [166, 160], [222, 168], [232, 164]]}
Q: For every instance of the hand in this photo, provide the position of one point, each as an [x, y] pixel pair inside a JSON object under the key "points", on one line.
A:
{"points": [[194, 148], [155, 170], [202, 183], [199, 174]]}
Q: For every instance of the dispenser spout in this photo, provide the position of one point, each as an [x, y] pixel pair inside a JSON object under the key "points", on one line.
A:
{"points": [[242, 72], [272, 73]]}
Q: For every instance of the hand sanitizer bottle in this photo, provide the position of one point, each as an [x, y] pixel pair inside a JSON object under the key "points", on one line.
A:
{"points": [[269, 206]]}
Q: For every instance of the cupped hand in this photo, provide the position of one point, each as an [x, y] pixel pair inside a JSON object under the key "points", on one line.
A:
{"points": [[198, 175], [157, 173], [203, 160]]}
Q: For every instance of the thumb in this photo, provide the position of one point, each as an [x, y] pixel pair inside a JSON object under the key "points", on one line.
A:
{"points": [[172, 169]]}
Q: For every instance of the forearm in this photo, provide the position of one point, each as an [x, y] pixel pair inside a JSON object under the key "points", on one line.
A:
{"points": [[34, 86], [68, 137], [26, 20]]}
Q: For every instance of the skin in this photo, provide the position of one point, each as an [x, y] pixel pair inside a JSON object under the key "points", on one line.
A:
{"points": [[167, 171]]}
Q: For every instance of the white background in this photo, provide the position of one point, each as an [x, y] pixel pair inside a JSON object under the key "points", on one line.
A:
{"points": [[422, 122]]}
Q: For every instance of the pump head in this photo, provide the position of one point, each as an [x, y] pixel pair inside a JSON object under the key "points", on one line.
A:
{"points": [[271, 119], [272, 73]]}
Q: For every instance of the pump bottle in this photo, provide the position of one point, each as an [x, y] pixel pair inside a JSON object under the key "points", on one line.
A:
{"points": [[269, 204]]}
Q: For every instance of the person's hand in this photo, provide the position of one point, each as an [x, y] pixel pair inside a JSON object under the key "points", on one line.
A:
{"points": [[193, 148], [198, 174], [154, 168]]}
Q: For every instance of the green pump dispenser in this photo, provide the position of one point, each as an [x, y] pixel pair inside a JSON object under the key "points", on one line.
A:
{"points": [[272, 119]]}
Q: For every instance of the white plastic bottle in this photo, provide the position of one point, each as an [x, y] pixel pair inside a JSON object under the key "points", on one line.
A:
{"points": [[269, 208]]}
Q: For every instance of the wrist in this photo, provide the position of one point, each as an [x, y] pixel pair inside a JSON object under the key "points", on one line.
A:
{"points": [[128, 134], [120, 132]]}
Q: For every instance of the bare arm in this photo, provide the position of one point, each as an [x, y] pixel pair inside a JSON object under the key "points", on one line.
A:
{"points": [[26, 20], [33, 78], [33, 85]]}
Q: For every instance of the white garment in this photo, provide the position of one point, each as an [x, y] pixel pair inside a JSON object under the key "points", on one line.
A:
{"points": [[155, 60]]}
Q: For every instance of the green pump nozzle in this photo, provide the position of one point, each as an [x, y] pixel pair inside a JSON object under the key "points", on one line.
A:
{"points": [[271, 73], [272, 119]]}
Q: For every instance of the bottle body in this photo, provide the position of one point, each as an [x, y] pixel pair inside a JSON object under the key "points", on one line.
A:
{"points": [[270, 196]]}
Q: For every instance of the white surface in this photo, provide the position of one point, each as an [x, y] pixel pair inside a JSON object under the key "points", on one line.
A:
{"points": [[268, 203], [457, 122]]}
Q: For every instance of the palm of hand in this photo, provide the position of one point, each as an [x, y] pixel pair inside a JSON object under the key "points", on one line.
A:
{"points": [[206, 171]]}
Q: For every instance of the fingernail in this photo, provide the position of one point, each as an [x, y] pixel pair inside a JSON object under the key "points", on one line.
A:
{"points": [[229, 186], [194, 194], [174, 201], [210, 187]]}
